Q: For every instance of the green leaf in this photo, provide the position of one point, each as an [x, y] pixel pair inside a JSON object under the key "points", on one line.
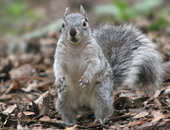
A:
{"points": [[146, 5], [107, 9], [122, 5], [159, 24]]}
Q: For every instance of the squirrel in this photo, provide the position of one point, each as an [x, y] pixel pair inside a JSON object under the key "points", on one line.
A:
{"points": [[88, 65]]}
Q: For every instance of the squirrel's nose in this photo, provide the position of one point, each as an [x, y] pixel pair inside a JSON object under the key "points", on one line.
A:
{"points": [[73, 32]]}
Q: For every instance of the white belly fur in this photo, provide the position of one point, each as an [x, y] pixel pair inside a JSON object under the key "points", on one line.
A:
{"points": [[79, 97]]}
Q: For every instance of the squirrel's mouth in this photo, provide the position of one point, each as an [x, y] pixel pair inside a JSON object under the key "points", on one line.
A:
{"points": [[73, 39]]}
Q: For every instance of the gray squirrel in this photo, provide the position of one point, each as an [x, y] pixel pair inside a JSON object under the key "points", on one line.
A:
{"points": [[88, 65]]}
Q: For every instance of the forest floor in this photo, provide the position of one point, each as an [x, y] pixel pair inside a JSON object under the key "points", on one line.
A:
{"points": [[28, 95]]}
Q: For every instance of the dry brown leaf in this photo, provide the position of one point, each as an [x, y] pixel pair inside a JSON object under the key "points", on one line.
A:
{"points": [[37, 105], [49, 129], [157, 116], [115, 127], [37, 128], [165, 121], [167, 90], [118, 127], [41, 128], [4, 97], [28, 113], [71, 128], [157, 93], [142, 114], [45, 118], [35, 85], [10, 109], [31, 86], [39, 101], [121, 117], [145, 126], [93, 125], [24, 70], [138, 122], [14, 86], [33, 105]]}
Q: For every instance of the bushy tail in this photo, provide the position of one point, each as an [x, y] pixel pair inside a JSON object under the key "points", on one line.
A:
{"points": [[134, 59]]}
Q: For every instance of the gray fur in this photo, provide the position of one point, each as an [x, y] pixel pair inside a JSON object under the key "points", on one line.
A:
{"points": [[90, 64], [133, 57]]}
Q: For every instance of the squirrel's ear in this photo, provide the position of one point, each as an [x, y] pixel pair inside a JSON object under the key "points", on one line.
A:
{"points": [[67, 10], [83, 12]]}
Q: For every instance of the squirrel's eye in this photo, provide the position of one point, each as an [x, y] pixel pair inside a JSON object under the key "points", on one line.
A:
{"points": [[63, 25], [84, 23], [86, 19]]}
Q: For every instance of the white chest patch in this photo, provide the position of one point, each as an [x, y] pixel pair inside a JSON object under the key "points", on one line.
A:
{"points": [[76, 65]]}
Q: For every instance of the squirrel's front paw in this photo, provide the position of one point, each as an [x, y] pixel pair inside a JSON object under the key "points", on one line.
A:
{"points": [[85, 80], [60, 83]]}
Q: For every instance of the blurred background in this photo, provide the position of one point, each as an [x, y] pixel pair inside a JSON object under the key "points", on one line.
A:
{"points": [[29, 29], [30, 19]]}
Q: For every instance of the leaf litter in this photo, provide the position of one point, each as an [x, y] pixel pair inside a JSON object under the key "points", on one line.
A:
{"points": [[28, 96]]}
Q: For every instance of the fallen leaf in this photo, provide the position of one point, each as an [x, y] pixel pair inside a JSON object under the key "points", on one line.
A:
{"points": [[138, 122], [45, 118], [5, 97], [157, 116], [122, 117], [24, 70], [10, 109], [118, 127], [14, 86], [31, 86], [167, 91], [28, 113], [157, 93], [142, 114], [58, 124], [71, 128], [39, 101], [92, 125], [35, 85], [37, 128]]}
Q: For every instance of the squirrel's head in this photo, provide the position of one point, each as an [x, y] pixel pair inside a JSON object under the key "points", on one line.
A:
{"points": [[75, 27]]}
